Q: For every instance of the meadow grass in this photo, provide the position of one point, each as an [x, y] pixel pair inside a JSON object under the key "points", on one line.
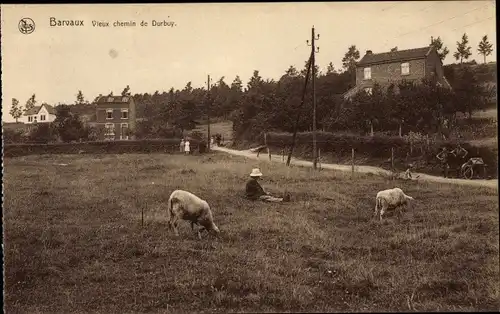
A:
{"points": [[74, 241]]}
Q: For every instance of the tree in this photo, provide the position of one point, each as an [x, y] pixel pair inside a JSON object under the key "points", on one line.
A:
{"points": [[79, 98], [30, 103], [369, 108], [350, 58], [330, 69], [463, 50], [470, 94], [68, 126], [437, 43], [16, 111], [485, 47], [126, 91], [41, 133]]}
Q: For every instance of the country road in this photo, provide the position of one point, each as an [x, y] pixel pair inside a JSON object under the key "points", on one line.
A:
{"points": [[357, 168]]}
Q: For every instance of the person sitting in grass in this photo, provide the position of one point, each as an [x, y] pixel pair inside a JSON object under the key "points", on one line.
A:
{"points": [[254, 190]]}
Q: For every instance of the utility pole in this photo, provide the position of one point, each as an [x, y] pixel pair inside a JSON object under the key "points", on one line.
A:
{"points": [[208, 111], [313, 68]]}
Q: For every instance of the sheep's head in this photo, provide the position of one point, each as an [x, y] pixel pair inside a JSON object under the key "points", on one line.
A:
{"points": [[215, 228]]}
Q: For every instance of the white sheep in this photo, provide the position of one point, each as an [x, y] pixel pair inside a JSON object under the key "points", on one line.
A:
{"points": [[391, 198], [187, 206]]}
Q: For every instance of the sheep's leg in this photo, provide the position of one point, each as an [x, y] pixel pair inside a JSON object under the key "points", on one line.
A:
{"points": [[174, 223], [399, 211], [382, 211], [199, 232]]}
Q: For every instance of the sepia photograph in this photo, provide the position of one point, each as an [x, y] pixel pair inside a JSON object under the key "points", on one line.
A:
{"points": [[279, 157]]}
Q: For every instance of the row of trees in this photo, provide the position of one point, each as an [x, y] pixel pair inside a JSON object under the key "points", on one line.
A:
{"points": [[264, 104]]}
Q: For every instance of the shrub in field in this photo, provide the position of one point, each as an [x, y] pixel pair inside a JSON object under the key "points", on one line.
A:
{"points": [[13, 136], [42, 133]]}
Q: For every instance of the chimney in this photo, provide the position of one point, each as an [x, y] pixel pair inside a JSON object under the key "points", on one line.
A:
{"points": [[432, 39], [368, 52]]}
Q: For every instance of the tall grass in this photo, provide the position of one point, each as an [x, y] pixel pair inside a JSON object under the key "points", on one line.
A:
{"points": [[74, 241]]}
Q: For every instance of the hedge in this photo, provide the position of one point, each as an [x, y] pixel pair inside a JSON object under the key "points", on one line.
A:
{"points": [[376, 147], [110, 147]]}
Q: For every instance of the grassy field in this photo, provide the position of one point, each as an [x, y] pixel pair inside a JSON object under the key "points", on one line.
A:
{"points": [[74, 241]]}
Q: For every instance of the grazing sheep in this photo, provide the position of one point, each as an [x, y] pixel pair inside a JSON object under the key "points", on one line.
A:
{"points": [[187, 206], [391, 198]]}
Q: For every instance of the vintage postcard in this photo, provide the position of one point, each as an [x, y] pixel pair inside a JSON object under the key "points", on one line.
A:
{"points": [[250, 157]]}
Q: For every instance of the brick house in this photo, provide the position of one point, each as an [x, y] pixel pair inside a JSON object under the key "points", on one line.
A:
{"points": [[116, 117], [392, 67]]}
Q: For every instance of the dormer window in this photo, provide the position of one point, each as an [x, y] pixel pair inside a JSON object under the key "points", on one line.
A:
{"points": [[124, 99], [110, 99], [368, 90], [405, 68], [368, 73]]}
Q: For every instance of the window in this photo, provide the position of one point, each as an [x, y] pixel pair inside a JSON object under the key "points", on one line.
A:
{"points": [[42, 117], [368, 90], [124, 113], [110, 129], [109, 114], [110, 99], [124, 131], [405, 68], [30, 119], [124, 99], [34, 118], [368, 73]]}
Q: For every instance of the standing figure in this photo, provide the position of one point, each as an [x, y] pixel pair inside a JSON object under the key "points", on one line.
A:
{"points": [[181, 146], [187, 149], [443, 158]]}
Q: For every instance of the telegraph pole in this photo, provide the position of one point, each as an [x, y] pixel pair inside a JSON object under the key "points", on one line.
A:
{"points": [[313, 68], [208, 111]]}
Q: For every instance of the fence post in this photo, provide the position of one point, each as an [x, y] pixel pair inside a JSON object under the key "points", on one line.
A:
{"points": [[352, 161], [267, 146], [319, 158], [392, 162]]}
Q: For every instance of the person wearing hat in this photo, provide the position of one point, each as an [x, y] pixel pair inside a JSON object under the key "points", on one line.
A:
{"points": [[254, 190]]}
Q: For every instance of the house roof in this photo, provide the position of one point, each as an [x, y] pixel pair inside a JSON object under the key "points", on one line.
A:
{"points": [[389, 57], [113, 99], [36, 109]]}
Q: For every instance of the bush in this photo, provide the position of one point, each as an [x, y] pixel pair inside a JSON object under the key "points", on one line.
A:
{"points": [[42, 133], [13, 136], [377, 147], [111, 147]]}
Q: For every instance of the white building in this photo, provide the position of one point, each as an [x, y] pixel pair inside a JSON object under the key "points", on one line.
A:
{"points": [[39, 114]]}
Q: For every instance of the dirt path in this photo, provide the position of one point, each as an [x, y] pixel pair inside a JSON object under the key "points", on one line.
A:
{"points": [[357, 168]]}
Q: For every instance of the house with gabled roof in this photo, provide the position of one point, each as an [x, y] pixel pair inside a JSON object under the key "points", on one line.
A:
{"points": [[395, 66], [116, 116], [39, 114]]}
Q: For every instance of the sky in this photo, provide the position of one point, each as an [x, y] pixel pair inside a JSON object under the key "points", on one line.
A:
{"points": [[220, 40]]}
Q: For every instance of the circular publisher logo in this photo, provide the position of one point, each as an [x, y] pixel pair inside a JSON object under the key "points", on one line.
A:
{"points": [[26, 26]]}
